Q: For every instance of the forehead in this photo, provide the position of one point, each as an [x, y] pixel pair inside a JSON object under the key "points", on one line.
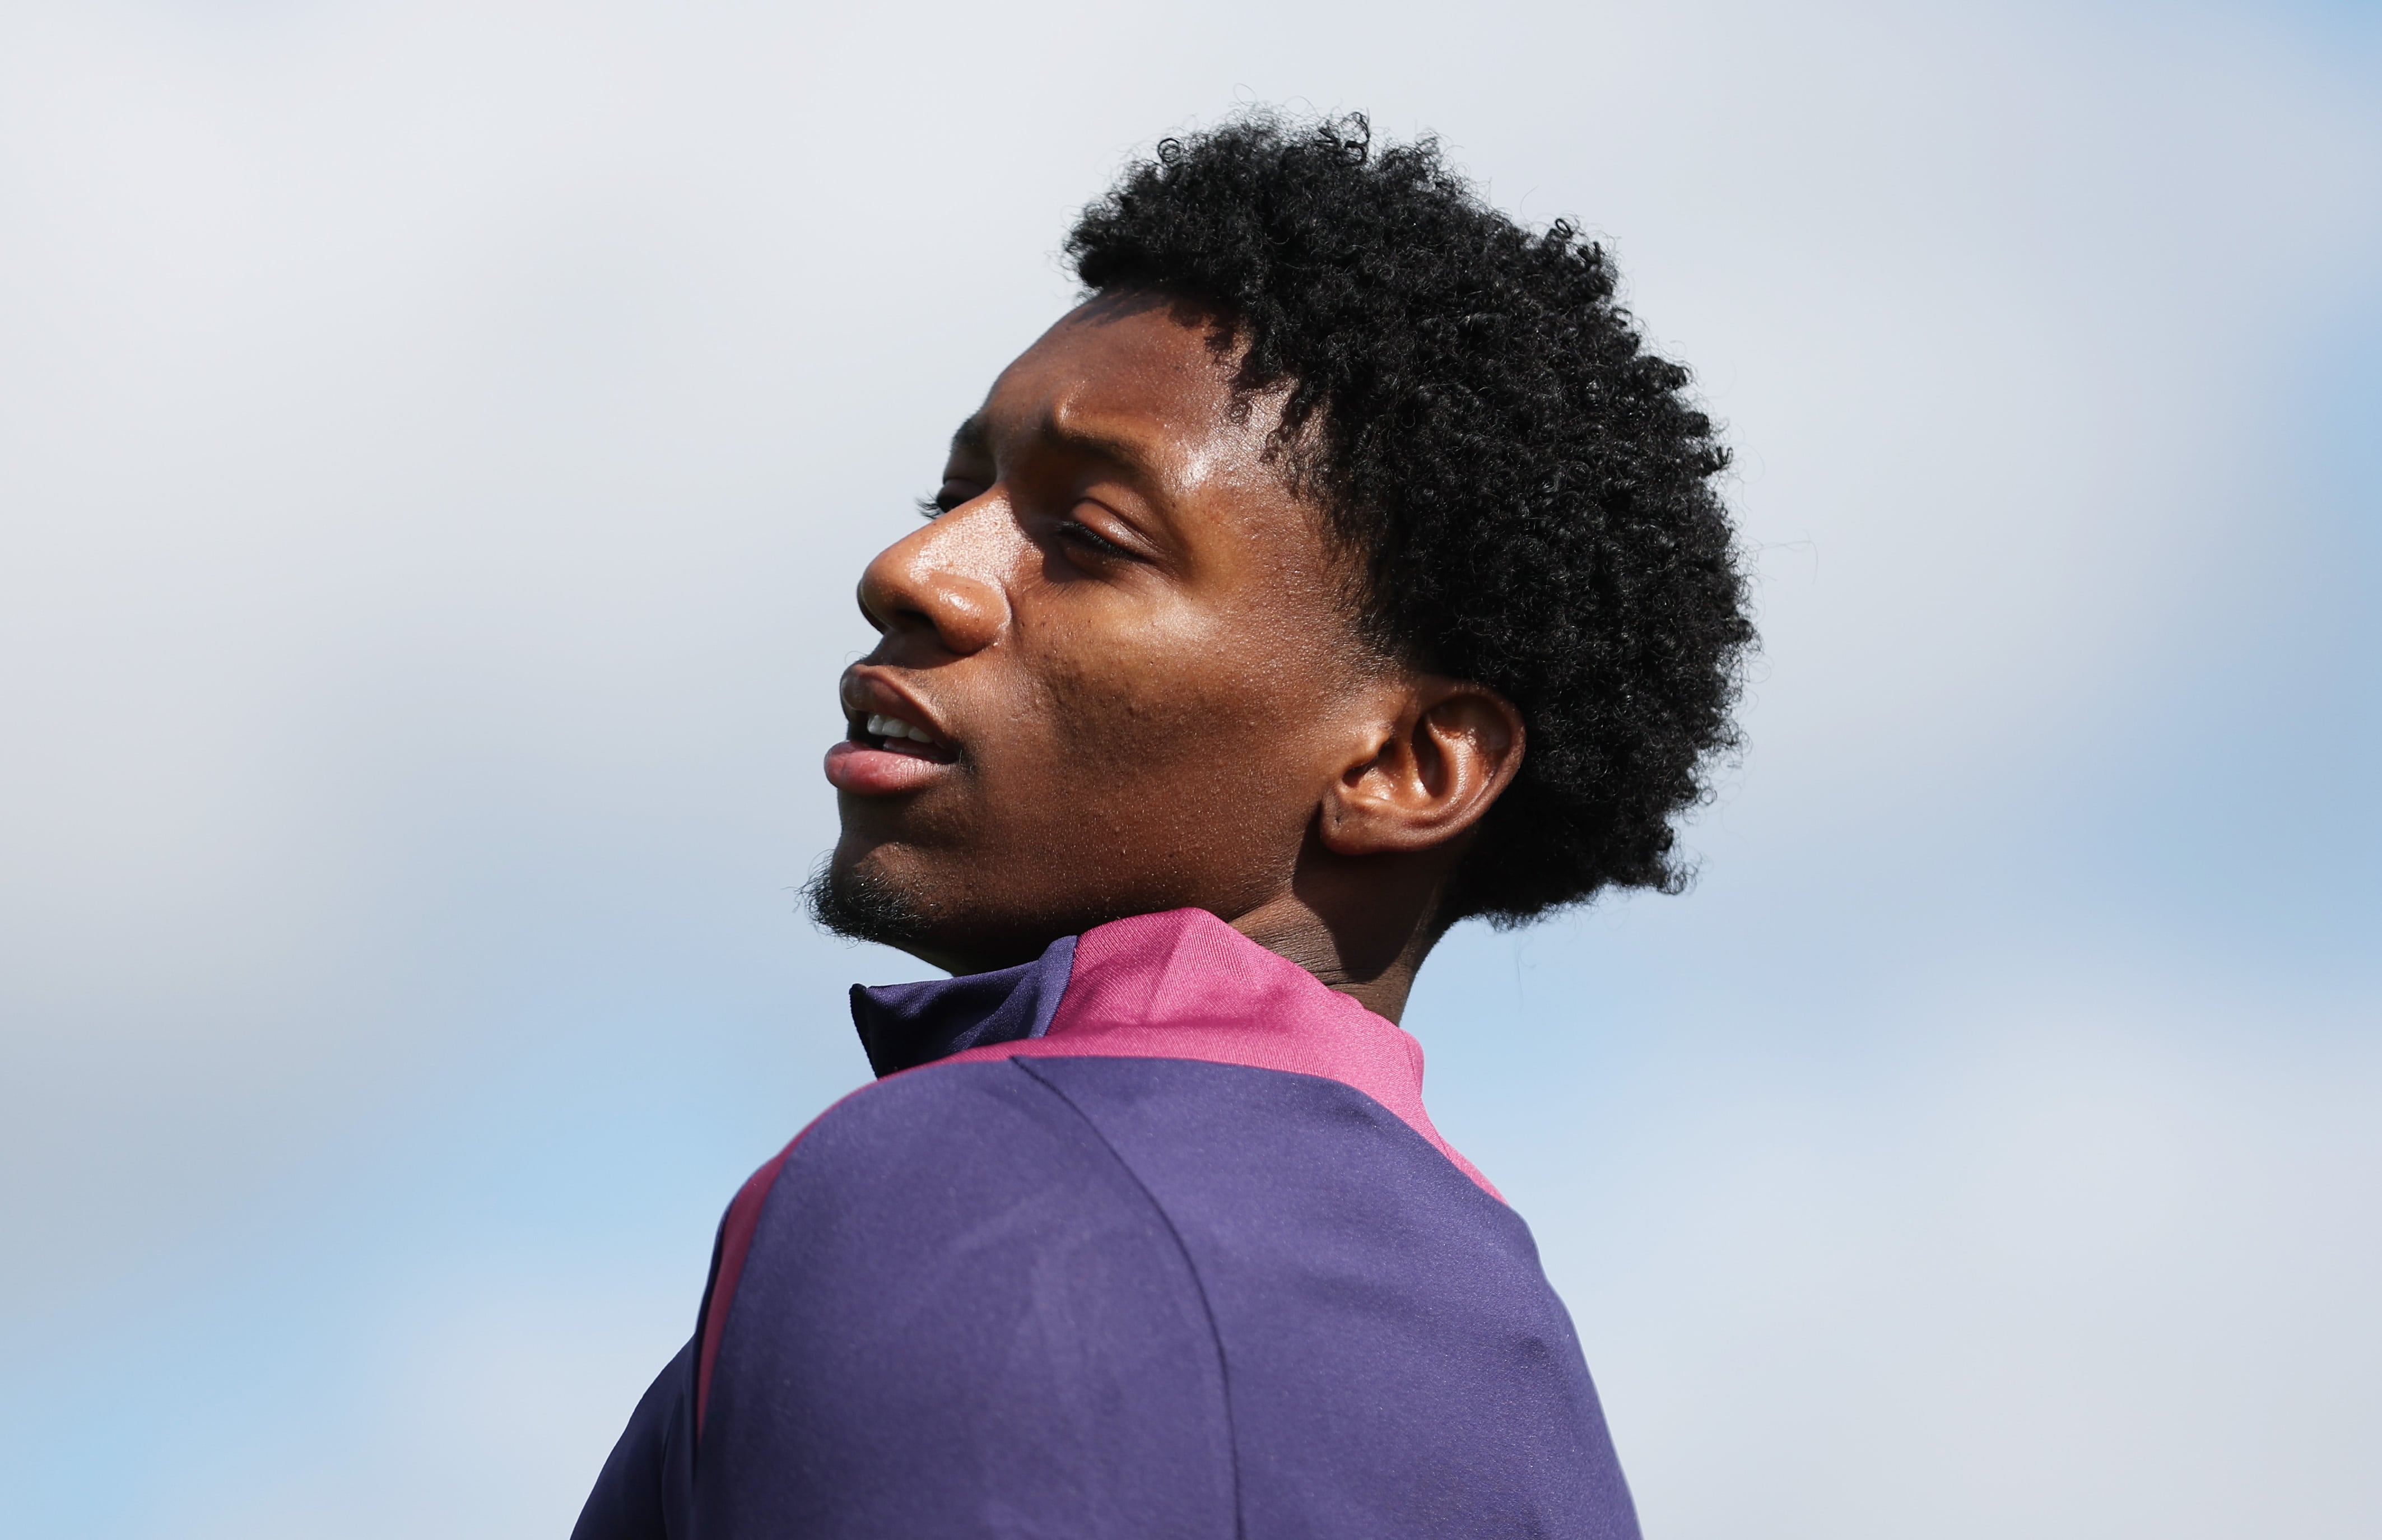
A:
{"points": [[1147, 381], [1131, 402], [1135, 396]]}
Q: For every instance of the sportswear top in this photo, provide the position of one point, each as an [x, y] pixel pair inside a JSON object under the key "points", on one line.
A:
{"points": [[1148, 1237]]}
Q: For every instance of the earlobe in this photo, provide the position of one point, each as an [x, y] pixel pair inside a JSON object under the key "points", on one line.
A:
{"points": [[1452, 750]]}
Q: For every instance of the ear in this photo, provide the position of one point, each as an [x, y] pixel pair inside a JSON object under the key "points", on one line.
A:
{"points": [[1447, 752]]}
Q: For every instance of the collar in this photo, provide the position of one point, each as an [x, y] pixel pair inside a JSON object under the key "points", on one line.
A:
{"points": [[1178, 985], [904, 1026]]}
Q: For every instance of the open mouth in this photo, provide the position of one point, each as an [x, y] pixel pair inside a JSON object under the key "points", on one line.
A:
{"points": [[882, 753], [893, 735]]}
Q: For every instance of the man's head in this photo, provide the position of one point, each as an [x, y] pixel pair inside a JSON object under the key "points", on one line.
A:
{"points": [[1344, 564]]}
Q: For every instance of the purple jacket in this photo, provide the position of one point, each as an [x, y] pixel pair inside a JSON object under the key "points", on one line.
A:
{"points": [[1150, 1237]]}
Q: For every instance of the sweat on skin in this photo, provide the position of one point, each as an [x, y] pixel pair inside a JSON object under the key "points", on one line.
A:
{"points": [[1129, 679]]}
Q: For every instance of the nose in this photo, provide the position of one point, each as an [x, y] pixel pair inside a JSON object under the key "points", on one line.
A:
{"points": [[946, 583]]}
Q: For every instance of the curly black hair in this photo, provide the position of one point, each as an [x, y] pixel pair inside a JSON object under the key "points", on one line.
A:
{"points": [[1528, 491]]}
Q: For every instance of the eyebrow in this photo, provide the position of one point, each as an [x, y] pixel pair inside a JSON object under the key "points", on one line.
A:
{"points": [[974, 438], [971, 438]]}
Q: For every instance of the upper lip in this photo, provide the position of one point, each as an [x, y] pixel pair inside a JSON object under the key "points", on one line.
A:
{"points": [[865, 691]]}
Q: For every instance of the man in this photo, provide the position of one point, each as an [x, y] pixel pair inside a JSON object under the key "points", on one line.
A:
{"points": [[1341, 569]]}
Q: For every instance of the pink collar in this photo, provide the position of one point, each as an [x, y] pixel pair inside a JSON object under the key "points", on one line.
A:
{"points": [[1186, 985]]}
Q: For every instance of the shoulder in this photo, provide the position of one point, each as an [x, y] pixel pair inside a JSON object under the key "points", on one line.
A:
{"points": [[953, 1290], [1347, 1262], [1239, 1137], [897, 1128], [933, 1184], [1271, 1178]]}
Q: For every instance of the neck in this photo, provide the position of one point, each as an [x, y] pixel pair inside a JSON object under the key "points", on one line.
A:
{"points": [[1369, 947]]}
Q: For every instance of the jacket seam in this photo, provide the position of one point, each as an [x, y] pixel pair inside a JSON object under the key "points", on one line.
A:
{"points": [[1199, 1284]]}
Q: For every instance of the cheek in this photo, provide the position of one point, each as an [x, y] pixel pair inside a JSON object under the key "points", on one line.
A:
{"points": [[1183, 726]]}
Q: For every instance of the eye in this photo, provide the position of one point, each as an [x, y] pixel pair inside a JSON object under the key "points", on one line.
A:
{"points": [[952, 495], [1084, 536]]}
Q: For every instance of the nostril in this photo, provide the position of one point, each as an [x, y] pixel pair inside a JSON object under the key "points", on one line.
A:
{"points": [[896, 599], [944, 581], [883, 613]]}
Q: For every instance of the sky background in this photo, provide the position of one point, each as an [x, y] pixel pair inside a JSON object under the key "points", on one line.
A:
{"points": [[437, 443]]}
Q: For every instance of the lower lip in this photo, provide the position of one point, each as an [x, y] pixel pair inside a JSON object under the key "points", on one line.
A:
{"points": [[865, 770]]}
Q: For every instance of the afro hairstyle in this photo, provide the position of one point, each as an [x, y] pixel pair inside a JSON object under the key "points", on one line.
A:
{"points": [[1527, 492]]}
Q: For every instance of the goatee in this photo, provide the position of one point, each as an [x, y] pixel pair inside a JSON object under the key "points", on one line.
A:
{"points": [[855, 902]]}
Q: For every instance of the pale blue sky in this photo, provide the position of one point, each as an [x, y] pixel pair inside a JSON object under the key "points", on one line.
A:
{"points": [[438, 441]]}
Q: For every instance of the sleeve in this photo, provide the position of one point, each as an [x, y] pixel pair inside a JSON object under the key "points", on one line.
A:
{"points": [[639, 1495], [959, 1314]]}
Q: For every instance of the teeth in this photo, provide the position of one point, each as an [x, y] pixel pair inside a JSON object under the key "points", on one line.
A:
{"points": [[895, 727]]}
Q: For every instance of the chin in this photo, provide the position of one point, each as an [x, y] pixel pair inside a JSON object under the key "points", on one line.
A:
{"points": [[859, 899], [856, 899]]}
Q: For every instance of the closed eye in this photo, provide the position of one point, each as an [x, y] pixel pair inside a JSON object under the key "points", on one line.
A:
{"points": [[942, 502], [1090, 539]]}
